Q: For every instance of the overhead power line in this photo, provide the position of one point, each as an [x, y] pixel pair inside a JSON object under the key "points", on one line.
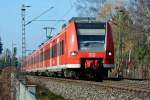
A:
{"points": [[67, 12], [49, 20], [40, 15]]}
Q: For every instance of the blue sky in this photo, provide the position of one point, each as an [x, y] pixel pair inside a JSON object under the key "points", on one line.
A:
{"points": [[10, 20]]}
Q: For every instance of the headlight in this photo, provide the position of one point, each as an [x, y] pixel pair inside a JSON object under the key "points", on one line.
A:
{"points": [[109, 53], [73, 53]]}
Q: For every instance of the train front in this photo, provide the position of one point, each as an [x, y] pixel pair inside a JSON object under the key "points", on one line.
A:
{"points": [[91, 46]]}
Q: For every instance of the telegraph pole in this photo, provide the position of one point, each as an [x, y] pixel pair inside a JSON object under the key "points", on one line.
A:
{"points": [[23, 33], [23, 10], [23, 15]]}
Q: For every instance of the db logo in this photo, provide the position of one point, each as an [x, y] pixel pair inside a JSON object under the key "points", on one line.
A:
{"points": [[92, 54]]}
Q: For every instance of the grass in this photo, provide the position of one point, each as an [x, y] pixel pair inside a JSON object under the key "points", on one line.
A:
{"points": [[45, 94]]}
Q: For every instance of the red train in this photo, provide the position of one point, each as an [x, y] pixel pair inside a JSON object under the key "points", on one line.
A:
{"points": [[83, 49]]}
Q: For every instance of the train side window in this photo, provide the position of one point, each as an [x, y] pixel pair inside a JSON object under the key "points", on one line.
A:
{"points": [[62, 47], [36, 59], [51, 52], [58, 49], [33, 60], [47, 54], [44, 55], [29, 61], [55, 51], [41, 57]]}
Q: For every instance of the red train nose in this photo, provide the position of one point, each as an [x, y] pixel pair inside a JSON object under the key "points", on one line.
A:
{"points": [[92, 64]]}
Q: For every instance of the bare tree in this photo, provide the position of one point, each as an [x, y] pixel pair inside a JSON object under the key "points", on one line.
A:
{"points": [[110, 9], [140, 14], [88, 7], [93, 7]]}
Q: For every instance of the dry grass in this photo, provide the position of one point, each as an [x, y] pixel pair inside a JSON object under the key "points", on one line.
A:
{"points": [[5, 87], [43, 93], [5, 84]]}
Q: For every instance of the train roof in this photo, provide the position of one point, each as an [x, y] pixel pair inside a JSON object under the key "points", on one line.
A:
{"points": [[82, 19], [85, 20]]}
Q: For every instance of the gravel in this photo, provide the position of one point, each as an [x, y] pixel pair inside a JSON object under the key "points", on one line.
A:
{"points": [[81, 91]]}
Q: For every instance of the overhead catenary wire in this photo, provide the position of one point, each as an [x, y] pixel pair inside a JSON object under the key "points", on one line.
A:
{"points": [[40, 15], [49, 20], [66, 13]]}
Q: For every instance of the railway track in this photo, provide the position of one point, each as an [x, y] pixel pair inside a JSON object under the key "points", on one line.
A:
{"points": [[139, 89], [138, 86], [123, 84]]}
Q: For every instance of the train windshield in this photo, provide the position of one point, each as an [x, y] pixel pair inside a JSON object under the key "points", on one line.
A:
{"points": [[91, 36]]}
